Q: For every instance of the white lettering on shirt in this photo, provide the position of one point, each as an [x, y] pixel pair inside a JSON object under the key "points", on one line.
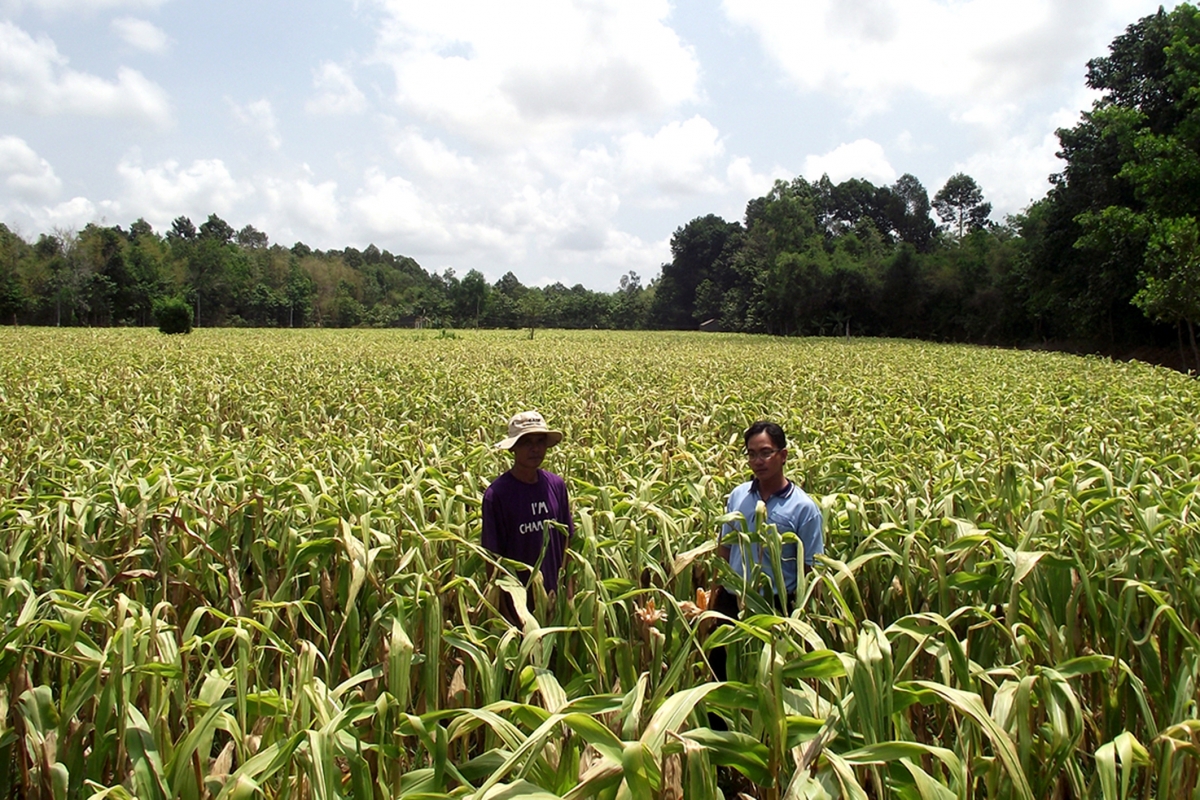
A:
{"points": [[537, 526]]}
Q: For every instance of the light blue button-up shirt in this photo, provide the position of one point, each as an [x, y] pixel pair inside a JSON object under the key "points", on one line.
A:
{"points": [[789, 510]]}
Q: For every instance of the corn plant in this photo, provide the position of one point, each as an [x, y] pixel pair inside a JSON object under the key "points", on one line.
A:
{"points": [[247, 564]]}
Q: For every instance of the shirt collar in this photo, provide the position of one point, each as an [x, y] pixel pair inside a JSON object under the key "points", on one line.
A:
{"points": [[785, 492]]}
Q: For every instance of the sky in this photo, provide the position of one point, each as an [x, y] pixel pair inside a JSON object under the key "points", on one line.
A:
{"points": [[562, 140]]}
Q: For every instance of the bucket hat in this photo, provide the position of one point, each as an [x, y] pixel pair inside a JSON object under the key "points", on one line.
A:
{"points": [[528, 422]]}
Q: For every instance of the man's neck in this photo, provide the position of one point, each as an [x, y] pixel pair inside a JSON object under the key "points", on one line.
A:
{"points": [[524, 474], [766, 490]]}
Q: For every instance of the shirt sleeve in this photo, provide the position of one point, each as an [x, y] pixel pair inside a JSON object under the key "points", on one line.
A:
{"points": [[564, 510], [490, 537], [808, 528]]}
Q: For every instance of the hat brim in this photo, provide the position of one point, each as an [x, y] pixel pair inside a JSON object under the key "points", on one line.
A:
{"points": [[552, 438]]}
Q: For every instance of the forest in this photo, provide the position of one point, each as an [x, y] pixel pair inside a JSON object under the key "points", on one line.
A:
{"points": [[1109, 258]]}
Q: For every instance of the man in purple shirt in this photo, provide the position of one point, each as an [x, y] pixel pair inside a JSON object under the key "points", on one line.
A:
{"points": [[520, 505]]}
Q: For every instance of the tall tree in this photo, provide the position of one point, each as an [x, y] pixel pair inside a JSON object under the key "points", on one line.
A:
{"points": [[13, 250], [1079, 282], [182, 228], [700, 250], [1149, 122], [251, 237], [471, 297], [961, 202], [217, 230], [911, 219], [108, 285]]}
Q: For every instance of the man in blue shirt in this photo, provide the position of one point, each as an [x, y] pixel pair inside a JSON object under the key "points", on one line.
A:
{"points": [[788, 508]]}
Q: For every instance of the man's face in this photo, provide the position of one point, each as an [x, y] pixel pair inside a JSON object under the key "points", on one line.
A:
{"points": [[766, 460], [530, 450]]}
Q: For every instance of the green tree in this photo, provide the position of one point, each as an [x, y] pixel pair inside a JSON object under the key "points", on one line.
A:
{"points": [[1150, 116], [70, 278], [961, 202], [146, 256], [470, 298], [630, 306], [252, 238], [107, 282], [299, 293], [217, 230], [1171, 278], [13, 250], [174, 315], [532, 308], [183, 229], [504, 309], [1078, 276], [701, 250], [209, 255], [910, 213]]}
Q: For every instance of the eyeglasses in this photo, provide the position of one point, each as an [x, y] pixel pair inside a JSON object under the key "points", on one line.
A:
{"points": [[760, 455]]}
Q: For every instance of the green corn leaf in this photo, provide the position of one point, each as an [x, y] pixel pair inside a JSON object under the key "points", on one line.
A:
{"points": [[149, 775]]}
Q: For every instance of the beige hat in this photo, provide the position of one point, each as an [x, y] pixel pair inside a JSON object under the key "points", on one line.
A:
{"points": [[528, 422]]}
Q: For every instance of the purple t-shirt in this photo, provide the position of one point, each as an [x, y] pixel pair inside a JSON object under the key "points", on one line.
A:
{"points": [[515, 514]]}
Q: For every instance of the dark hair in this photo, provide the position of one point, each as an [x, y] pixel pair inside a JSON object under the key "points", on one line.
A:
{"points": [[771, 429]]}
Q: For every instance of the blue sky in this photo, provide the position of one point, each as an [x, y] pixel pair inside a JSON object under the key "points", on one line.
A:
{"points": [[564, 140]]}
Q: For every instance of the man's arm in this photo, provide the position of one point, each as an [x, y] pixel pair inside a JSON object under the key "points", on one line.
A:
{"points": [[490, 535], [723, 549], [564, 512], [810, 530]]}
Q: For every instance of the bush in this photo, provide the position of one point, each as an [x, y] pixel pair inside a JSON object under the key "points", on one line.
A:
{"points": [[174, 315]]}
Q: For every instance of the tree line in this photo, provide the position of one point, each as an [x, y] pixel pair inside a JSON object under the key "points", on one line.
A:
{"points": [[1110, 256], [106, 275]]}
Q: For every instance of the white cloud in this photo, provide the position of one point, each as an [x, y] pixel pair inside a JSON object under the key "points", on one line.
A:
{"points": [[26, 175], [575, 216], [1014, 165], [601, 268], [302, 206], [973, 54], [35, 78], [748, 183], [994, 68], [433, 159], [498, 72], [73, 214], [677, 159], [393, 207], [336, 92], [141, 35], [1013, 174], [514, 202], [553, 207], [259, 117], [862, 158], [163, 192]]}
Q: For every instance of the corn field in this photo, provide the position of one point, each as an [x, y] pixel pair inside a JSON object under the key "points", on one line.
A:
{"points": [[246, 564]]}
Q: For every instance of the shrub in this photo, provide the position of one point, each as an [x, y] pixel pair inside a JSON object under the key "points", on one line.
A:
{"points": [[174, 315]]}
